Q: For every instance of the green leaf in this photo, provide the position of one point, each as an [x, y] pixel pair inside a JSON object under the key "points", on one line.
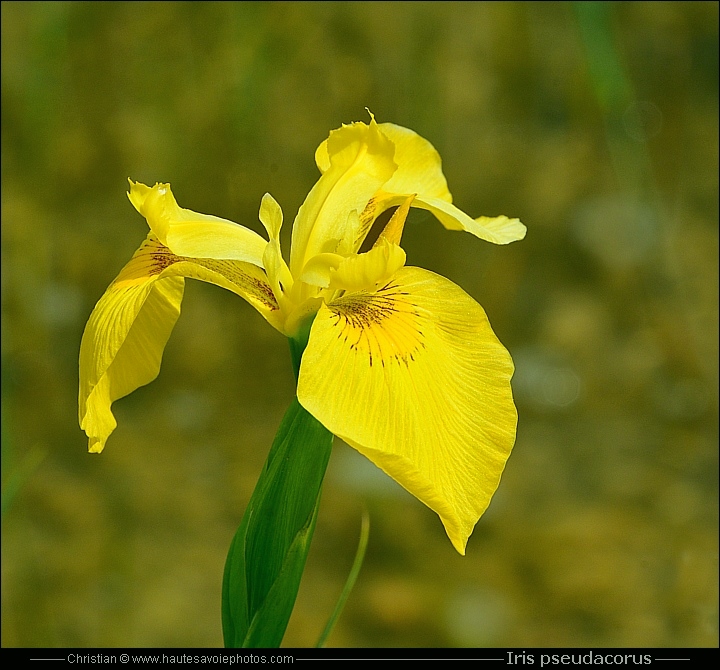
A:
{"points": [[268, 553]]}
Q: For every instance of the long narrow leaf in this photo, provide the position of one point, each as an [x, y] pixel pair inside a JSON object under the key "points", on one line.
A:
{"points": [[268, 553]]}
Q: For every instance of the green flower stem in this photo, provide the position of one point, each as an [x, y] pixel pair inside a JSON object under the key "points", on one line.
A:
{"points": [[268, 553]]}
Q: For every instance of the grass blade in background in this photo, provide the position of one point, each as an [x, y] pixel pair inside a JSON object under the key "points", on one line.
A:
{"points": [[352, 578]]}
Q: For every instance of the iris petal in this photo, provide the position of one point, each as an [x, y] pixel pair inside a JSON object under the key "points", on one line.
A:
{"points": [[359, 162], [413, 377], [419, 165], [497, 229], [419, 171], [126, 334], [188, 233]]}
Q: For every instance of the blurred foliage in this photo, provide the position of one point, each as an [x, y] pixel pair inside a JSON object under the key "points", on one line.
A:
{"points": [[595, 124]]}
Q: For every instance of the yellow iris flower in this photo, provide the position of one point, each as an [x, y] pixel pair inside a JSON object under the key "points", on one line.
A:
{"points": [[400, 363]]}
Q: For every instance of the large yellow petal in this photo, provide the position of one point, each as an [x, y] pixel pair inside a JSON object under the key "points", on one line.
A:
{"points": [[413, 377], [359, 162], [127, 331], [188, 233]]}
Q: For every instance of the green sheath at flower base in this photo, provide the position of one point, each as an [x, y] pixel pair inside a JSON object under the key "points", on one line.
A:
{"points": [[401, 363]]}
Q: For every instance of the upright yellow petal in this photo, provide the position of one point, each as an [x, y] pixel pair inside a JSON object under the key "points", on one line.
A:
{"points": [[419, 164], [127, 331], [360, 161], [412, 376], [278, 273], [188, 233], [271, 216]]}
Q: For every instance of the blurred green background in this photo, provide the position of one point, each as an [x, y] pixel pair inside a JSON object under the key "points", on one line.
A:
{"points": [[595, 124]]}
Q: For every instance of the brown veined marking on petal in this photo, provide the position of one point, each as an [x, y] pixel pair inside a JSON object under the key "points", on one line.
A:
{"points": [[159, 258], [149, 260], [162, 258], [384, 324], [253, 286], [367, 217]]}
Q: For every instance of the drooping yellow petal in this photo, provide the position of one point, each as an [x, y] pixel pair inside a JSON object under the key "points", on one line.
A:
{"points": [[497, 229], [188, 233], [420, 171], [127, 331], [419, 165], [122, 348], [359, 162], [413, 377]]}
